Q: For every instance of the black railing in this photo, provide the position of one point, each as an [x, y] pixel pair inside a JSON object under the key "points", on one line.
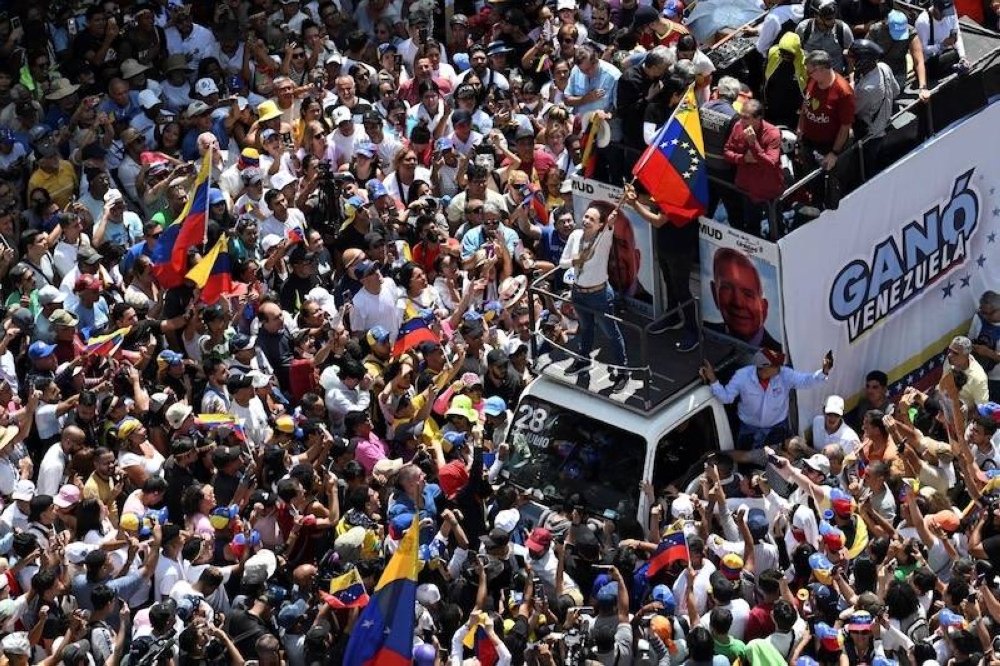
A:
{"points": [[620, 158], [643, 371]]}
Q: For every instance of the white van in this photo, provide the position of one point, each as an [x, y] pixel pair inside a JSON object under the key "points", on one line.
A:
{"points": [[567, 439]]}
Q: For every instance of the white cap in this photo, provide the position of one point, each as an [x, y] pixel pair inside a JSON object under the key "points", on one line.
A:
{"points": [[682, 507], [269, 241], [281, 179], [148, 99], [24, 490], [48, 295], [335, 58], [818, 463], [834, 405], [112, 196], [428, 594], [178, 413], [565, 4], [340, 115], [206, 87], [259, 379], [507, 520]]}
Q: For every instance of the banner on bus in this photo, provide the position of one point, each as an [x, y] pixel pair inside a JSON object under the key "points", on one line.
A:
{"points": [[890, 277]]}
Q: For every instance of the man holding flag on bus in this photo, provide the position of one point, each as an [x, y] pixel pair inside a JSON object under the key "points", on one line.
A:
{"points": [[674, 173]]}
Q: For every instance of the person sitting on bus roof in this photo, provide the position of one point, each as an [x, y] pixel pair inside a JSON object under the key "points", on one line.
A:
{"points": [[764, 390]]}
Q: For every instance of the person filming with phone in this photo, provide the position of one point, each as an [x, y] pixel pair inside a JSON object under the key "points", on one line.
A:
{"points": [[763, 388]]}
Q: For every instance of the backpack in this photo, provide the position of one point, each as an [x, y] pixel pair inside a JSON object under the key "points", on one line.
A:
{"points": [[839, 32]]}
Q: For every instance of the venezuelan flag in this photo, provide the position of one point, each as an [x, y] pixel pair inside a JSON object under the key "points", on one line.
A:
{"points": [[295, 235], [188, 230], [213, 421], [673, 548], [535, 203], [479, 642], [347, 591], [213, 274], [383, 635], [107, 345], [588, 143], [673, 167], [414, 330]]}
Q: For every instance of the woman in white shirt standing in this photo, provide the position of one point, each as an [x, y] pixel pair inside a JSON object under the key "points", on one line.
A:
{"points": [[587, 252]]}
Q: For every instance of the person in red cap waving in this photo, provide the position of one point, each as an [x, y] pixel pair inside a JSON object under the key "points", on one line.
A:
{"points": [[763, 388]]}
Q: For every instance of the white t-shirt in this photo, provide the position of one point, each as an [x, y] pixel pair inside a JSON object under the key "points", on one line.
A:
{"points": [[52, 469], [153, 466], [595, 270], [844, 436], [47, 422], [741, 613], [168, 572], [377, 309], [700, 588]]}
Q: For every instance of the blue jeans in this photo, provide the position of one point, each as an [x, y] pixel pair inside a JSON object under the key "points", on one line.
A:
{"points": [[751, 437], [600, 301]]}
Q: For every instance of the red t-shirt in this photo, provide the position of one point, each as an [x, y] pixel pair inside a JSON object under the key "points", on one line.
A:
{"points": [[653, 39], [824, 112]]}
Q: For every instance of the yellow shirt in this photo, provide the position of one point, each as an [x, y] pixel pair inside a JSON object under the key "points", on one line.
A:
{"points": [[60, 185], [102, 490]]}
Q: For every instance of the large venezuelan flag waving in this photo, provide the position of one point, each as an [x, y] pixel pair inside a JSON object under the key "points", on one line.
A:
{"points": [[673, 167], [383, 635], [171, 253], [213, 274]]}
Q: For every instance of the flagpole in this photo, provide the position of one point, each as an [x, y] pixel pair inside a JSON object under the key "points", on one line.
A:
{"points": [[208, 196]]}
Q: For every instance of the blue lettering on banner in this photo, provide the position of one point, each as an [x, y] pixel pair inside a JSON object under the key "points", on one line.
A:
{"points": [[866, 292]]}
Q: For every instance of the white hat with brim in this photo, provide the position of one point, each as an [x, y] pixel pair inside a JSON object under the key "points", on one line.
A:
{"points": [[61, 89]]}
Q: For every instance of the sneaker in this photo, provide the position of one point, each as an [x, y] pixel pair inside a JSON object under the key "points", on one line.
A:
{"points": [[576, 366], [619, 379], [670, 322], [688, 343]]}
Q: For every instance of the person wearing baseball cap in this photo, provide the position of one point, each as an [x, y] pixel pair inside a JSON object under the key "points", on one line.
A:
{"points": [[764, 388], [830, 427]]}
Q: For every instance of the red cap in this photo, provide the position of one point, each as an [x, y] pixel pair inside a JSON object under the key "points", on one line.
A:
{"points": [[452, 478], [539, 540], [87, 281]]}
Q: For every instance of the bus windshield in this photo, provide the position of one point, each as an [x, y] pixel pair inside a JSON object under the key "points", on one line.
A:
{"points": [[561, 452]]}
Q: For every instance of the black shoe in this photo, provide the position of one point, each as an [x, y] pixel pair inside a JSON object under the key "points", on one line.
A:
{"points": [[576, 366], [688, 343], [670, 322], [619, 379]]}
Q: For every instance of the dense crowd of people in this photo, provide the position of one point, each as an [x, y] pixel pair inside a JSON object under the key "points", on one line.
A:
{"points": [[201, 474]]}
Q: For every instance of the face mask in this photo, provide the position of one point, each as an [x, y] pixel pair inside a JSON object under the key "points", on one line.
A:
{"points": [[530, 107]]}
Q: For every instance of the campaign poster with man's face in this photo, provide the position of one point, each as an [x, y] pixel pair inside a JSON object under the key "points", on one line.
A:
{"points": [[740, 294]]}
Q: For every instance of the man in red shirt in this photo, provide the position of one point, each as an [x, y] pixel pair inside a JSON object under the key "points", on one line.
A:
{"points": [[654, 29], [827, 113], [754, 146]]}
